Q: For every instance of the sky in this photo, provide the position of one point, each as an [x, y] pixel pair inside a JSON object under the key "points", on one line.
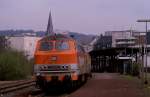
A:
{"points": [[83, 16]]}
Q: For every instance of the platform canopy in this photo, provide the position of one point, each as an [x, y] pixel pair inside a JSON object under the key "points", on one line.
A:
{"points": [[114, 51]]}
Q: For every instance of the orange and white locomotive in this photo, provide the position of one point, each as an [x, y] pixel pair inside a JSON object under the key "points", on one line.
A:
{"points": [[60, 58]]}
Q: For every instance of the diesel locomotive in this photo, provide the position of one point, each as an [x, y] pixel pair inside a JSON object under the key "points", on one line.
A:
{"points": [[59, 58]]}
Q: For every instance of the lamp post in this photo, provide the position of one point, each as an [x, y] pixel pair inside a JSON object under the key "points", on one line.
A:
{"points": [[146, 22]]}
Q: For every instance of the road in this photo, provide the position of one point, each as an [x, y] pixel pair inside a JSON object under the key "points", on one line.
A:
{"points": [[109, 85]]}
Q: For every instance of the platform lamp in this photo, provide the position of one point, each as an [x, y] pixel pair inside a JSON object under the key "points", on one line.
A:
{"points": [[146, 22]]}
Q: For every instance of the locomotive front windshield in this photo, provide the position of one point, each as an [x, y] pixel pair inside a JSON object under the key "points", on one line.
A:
{"points": [[62, 45], [46, 46]]}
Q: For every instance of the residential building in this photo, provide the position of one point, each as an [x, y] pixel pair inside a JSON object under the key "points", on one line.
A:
{"points": [[140, 38], [24, 44], [121, 38]]}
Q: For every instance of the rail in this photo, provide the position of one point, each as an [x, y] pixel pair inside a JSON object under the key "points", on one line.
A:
{"points": [[16, 86]]}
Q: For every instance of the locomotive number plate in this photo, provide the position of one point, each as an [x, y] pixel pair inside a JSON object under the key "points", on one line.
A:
{"points": [[53, 58]]}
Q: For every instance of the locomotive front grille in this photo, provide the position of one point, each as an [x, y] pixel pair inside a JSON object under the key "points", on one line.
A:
{"points": [[54, 68], [40, 69]]}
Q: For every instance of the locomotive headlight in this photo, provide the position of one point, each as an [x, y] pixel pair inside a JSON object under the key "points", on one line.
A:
{"points": [[74, 67], [38, 68], [38, 74]]}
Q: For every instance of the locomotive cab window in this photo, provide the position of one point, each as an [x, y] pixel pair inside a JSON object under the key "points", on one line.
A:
{"points": [[62, 45], [46, 46]]}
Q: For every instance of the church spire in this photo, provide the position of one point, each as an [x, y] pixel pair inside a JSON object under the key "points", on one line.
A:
{"points": [[50, 26]]}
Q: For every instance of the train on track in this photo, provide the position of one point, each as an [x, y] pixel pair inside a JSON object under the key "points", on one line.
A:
{"points": [[60, 59]]}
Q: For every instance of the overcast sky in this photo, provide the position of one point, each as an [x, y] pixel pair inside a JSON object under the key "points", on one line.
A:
{"points": [[84, 16]]}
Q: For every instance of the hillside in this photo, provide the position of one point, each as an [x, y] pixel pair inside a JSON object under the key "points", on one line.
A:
{"points": [[82, 38]]}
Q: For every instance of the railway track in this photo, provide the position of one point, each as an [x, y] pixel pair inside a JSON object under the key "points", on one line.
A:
{"points": [[26, 89], [43, 95], [51, 93], [39, 93], [16, 86]]}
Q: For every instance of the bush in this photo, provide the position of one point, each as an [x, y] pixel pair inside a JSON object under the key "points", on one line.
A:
{"points": [[4, 44], [14, 65], [136, 68]]}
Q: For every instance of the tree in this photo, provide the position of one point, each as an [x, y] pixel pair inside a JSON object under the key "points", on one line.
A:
{"points": [[3, 43]]}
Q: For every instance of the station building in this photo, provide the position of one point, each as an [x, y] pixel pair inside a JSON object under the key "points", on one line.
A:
{"points": [[117, 50]]}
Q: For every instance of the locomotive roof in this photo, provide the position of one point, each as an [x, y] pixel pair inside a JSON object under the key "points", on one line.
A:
{"points": [[57, 37]]}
